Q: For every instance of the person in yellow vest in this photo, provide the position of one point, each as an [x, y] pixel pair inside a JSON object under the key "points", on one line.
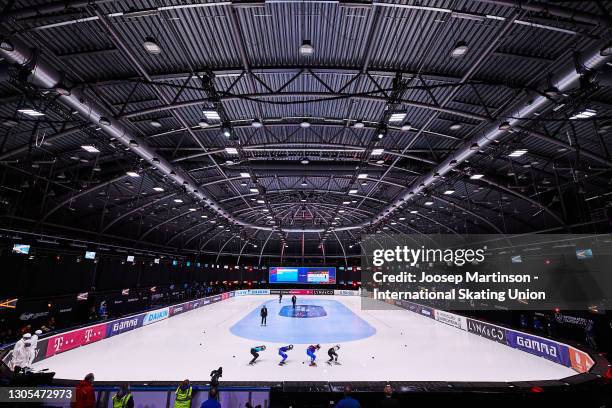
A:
{"points": [[123, 398], [183, 395]]}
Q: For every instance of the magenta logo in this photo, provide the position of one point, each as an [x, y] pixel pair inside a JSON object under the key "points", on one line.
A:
{"points": [[57, 343]]}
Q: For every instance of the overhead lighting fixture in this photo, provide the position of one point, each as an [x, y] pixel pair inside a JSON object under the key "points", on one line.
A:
{"points": [[231, 150], [177, 200], [203, 216], [414, 212], [155, 124], [455, 126], [397, 117], [505, 126], [158, 189], [449, 192], [362, 176], [606, 51], [245, 175], [203, 124], [353, 191], [406, 127], [30, 112], [90, 149], [428, 203], [306, 49], [304, 160], [377, 152], [211, 115], [256, 124], [193, 209], [476, 176], [261, 202], [518, 153], [585, 114], [304, 124], [253, 190], [6, 45], [359, 125], [461, 48], [151, 46], [132, 174], [227, 132], [552, 91], [304, 184]]}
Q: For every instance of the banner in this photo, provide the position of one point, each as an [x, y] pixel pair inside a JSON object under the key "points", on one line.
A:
{"points": [[550, 350], [215, 298], [259, 292], [178, 309], [487, 331], [580, 361], [70, 340], [225, 296], [241, 292], [323, 292], [124, 325], [156, 316], [426, 311], [451, 319], [343, 292], [300, 292]]}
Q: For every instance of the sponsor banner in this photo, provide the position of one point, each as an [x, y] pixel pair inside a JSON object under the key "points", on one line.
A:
{"points": [[70, 340], [241, 292], [342, 292], [232, 294], [122, 325], [156, 316], [194, 304], [216, 298], [300, 291], [178, 309], [277, 291], [426, 311], [550, 350], [487, 331], [323, 292], [225, 296], [580, 361], [260, 292], [571, 320], [451, 319], [206, 301]]}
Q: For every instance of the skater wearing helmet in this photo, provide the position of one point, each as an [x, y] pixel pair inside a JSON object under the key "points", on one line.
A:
{"points": [[283, 353], [311, 353], [255, 353], [332, 354]]}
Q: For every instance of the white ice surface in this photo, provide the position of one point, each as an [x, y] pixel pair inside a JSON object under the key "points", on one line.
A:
{"points": [[406, 347]]}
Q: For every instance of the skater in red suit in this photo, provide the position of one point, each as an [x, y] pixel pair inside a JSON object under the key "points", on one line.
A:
{"points": [[311, 353]]}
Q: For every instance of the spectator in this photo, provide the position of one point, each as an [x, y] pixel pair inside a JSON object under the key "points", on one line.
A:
{"points": [[84, 393], [50, 326], [348, 401], [389, 401], [183, 395], [123, 398], [211, 402]]}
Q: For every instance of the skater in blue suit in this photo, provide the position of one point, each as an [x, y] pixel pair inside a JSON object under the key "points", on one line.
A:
{"points": [[283, 353], [311, 353]]}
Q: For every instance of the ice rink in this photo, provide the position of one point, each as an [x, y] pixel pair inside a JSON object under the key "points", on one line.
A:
{"points": [[375, 345]]}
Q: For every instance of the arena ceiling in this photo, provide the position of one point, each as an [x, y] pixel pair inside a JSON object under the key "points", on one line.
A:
{"points": [[289, 128]]}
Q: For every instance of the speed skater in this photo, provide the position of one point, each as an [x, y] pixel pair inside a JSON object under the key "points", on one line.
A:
{"points": [[255, 353], [283, 353], [333, 356], [311, 353]]}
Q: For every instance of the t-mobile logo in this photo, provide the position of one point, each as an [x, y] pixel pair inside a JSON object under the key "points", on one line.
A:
{"points": [[88, 335], [57, 343]]}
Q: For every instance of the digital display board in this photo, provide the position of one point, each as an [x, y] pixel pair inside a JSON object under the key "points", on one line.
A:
{"points": [[21, 249], [306, 275]]}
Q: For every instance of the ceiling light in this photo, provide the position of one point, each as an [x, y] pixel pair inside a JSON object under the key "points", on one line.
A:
{"points": [[353, 191], [6, 45], [505, 126], [306, 49], [585, 114], [346, 202], [362, 176], [518, 153], [193, 209], [203, 124], [246, 175], [203, 216], [62, 175], [159, 189], [304, 184], [30, 112], [231, 150], [151, 46], [261, 202], [397, 117], [455, 126], [606, 51], [428, 203], [476, 176], [90, 149], [253, 190], [461, 48], [377, 152], [305, 124], [449, 192], [132, 174], [256, 124], [227, 132], [211, 115], [381, 135], [304, 160], [552, 91], [406, 127], [178, 200], [359, 125], [414, 212]]}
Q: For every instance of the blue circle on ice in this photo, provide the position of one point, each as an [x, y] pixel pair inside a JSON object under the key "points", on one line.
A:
{"points": [[302, 311], [339, 325]]}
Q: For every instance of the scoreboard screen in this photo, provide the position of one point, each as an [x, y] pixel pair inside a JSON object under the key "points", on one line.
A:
{"points": [[307, 275]]}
